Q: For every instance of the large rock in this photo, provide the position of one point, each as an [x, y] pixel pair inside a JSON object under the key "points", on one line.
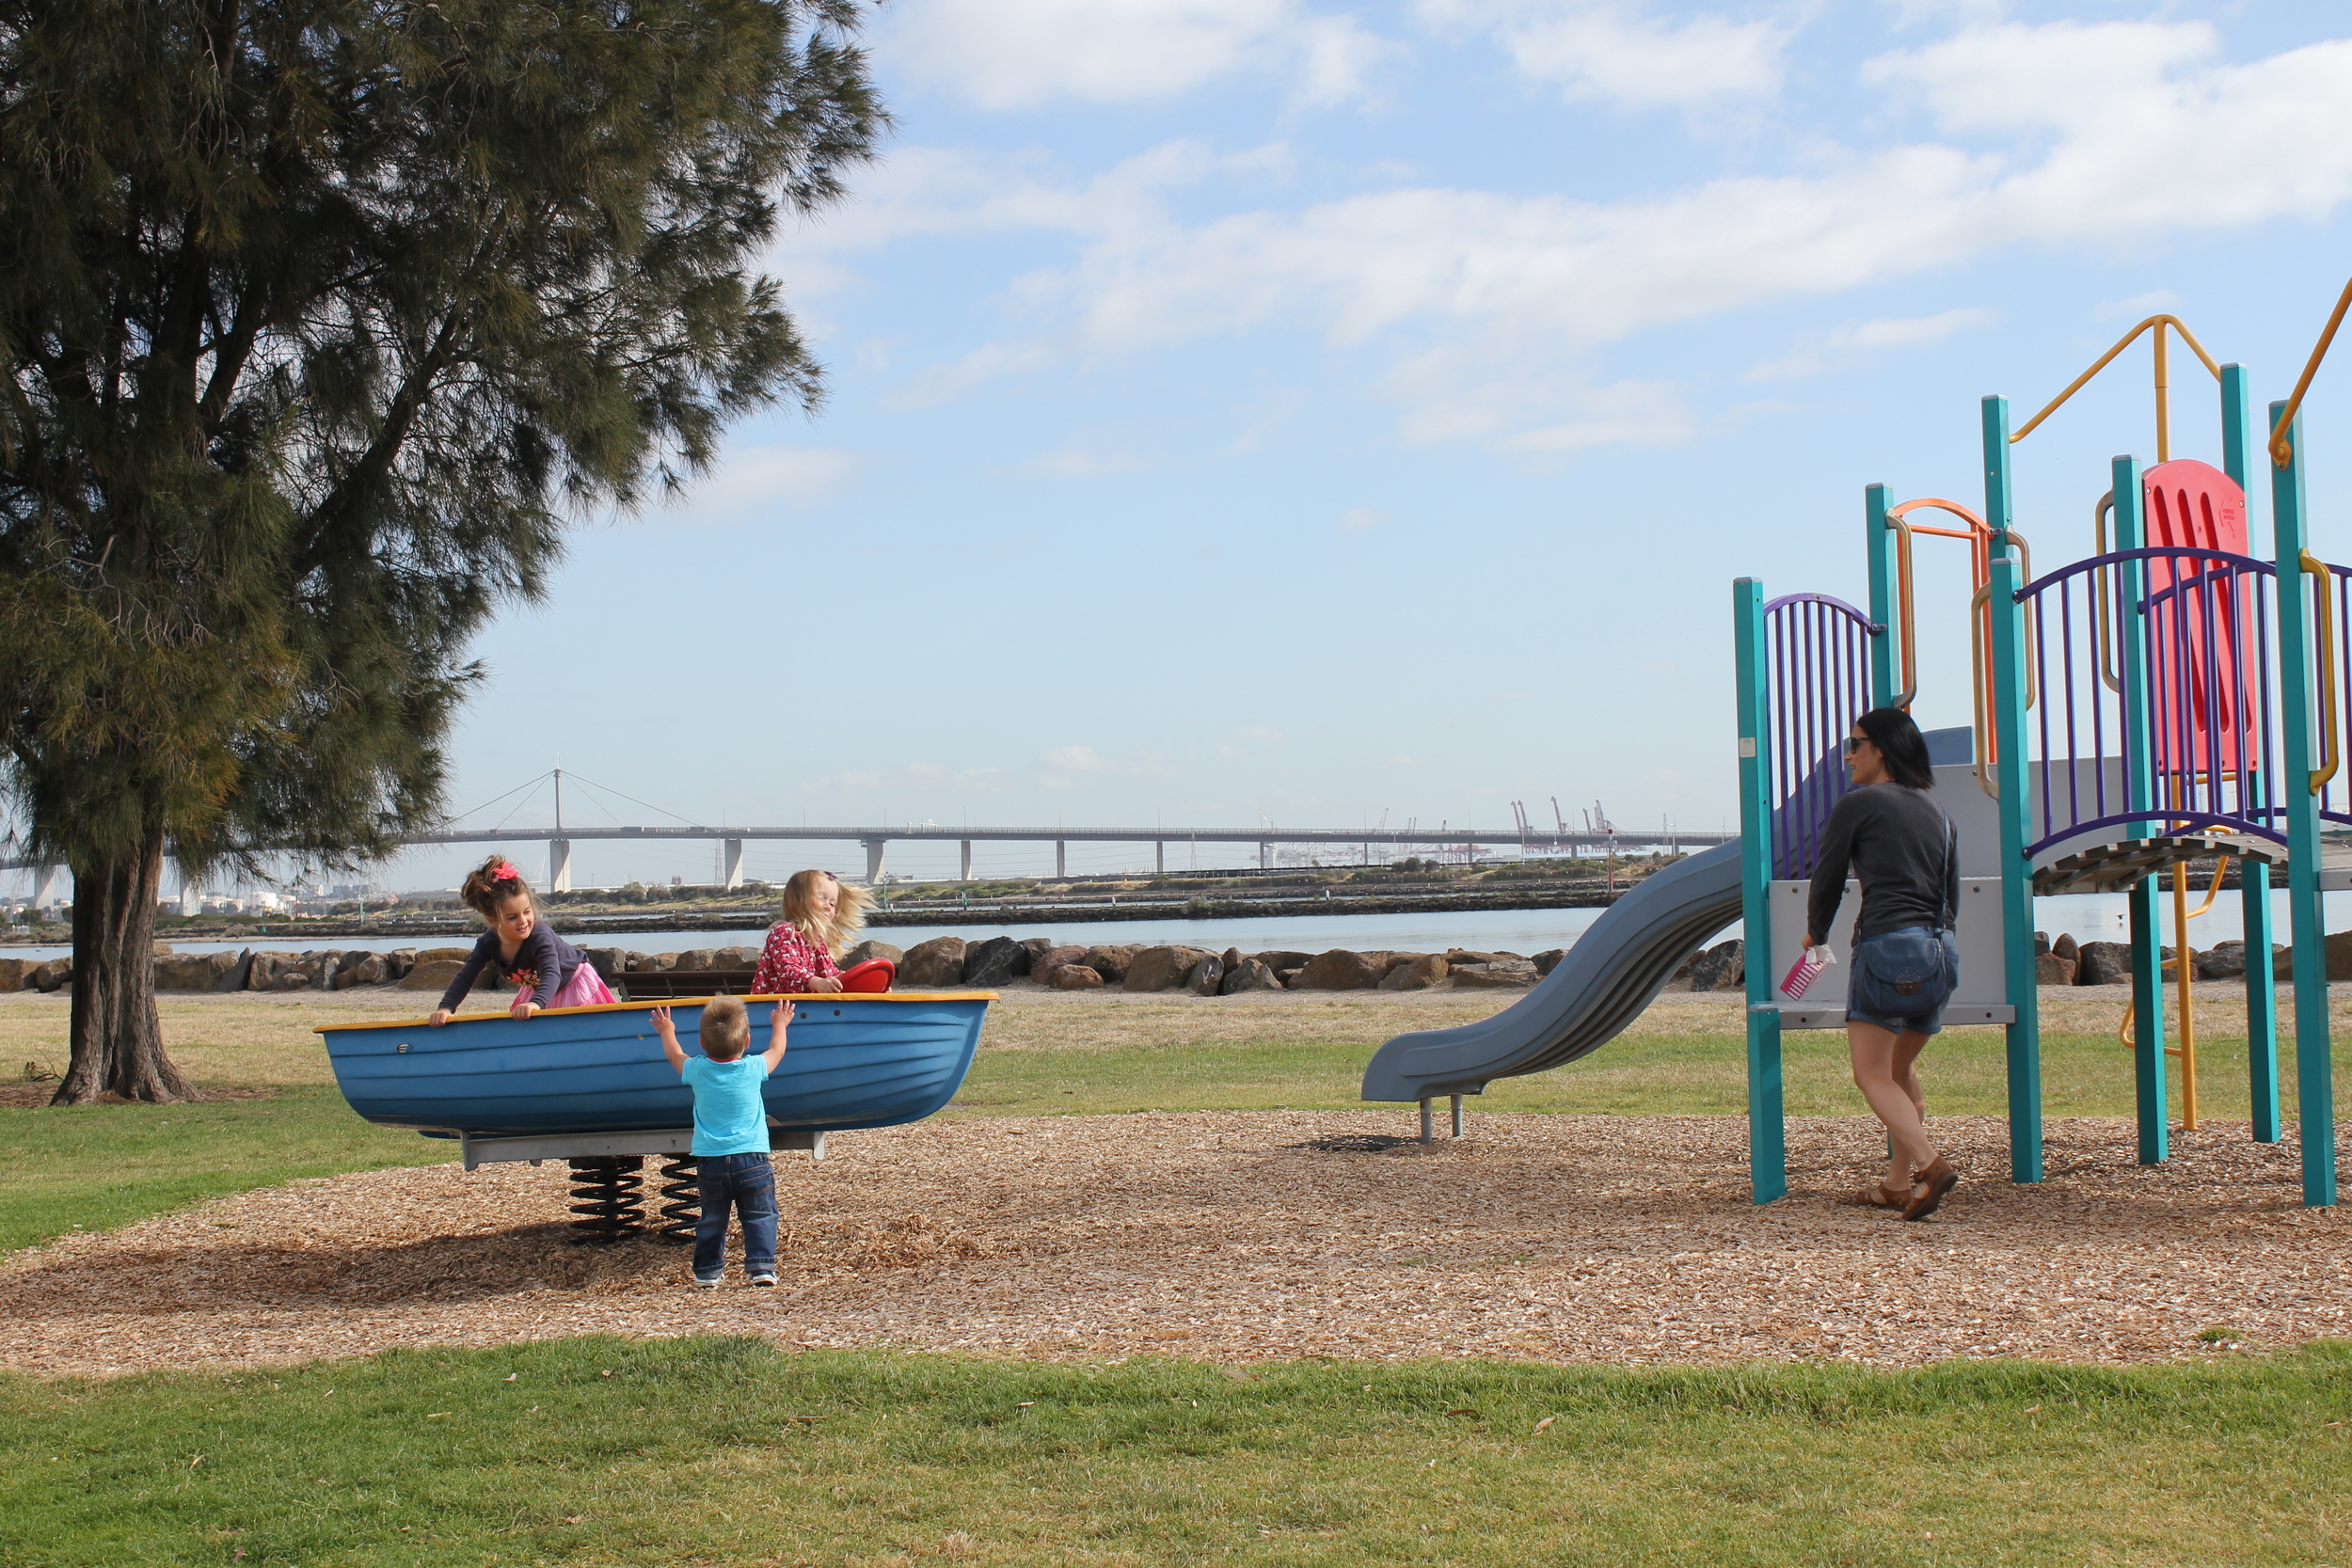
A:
{"points": [[1416, 974], [1111, 963], [12, 972], [433, 974], [2051, 970], [367, 971], [866, 950], [1037, 947], [1722, 967], [196, 972], [1472, 956], [934, 963], [1337, 970], [1044, 967], [1279, 959], [1206, 977], [1248, 974], [50, 976], [1474, 976], [325, 968], [1548, 959], [736, 958], [2066, 948], [607, 962], [2103, 963], [2340, 955], [1162, 968], [398, 962], [1077, 977], [2224, 961], [269, 964], [697, 960], [992, 964]]}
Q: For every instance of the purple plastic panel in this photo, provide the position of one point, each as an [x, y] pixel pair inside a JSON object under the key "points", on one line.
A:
{"points": [[1817, 683], [2204, 642]]}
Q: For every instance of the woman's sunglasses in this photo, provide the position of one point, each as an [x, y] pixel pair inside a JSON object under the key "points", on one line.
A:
{"points": [[1856, 743]]}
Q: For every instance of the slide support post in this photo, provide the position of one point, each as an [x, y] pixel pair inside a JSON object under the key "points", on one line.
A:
{"points": [[2007, 647], [1768, 1141], [2262, 990], [2299, 686]]}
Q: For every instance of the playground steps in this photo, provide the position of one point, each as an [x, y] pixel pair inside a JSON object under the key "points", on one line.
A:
{"points": [[2120, 866]]}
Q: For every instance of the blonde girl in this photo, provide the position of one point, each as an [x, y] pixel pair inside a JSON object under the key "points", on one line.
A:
{"points": [[820, 917], [544, 969]]}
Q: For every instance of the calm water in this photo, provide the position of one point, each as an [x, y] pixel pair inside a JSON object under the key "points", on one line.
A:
{"points": [[2088, 916]]}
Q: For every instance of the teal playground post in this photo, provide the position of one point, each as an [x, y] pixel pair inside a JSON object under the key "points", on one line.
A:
{"points": [[2261, 995], [2152, 1089], [2305, 713], [1879, 546], [2012, 795], [1768, 1143]]}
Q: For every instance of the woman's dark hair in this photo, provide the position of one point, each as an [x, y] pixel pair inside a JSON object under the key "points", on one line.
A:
{"points": [[1900, 744]]}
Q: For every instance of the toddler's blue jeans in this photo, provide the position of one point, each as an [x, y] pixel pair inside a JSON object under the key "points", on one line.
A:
{"points": [[747, 1184]]}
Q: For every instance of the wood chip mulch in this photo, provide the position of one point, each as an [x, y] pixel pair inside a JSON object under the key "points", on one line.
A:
{"points": [[1235, 1237]]}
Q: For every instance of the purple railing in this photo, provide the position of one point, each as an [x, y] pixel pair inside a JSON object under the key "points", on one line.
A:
{"points": [[2204, 637], [1817, 683]]}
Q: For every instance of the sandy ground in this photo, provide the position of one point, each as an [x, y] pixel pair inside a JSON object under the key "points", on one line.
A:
{"points": [[1243, 1236]]}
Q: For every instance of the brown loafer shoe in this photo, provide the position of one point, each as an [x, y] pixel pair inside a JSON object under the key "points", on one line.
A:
{"points": [[1929, 1187]]}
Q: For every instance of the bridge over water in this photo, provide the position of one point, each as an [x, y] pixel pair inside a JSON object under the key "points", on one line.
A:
{"points": [[559, 836]]}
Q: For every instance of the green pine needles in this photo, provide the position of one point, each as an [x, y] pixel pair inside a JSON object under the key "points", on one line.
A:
{"points": [[322, 320]]}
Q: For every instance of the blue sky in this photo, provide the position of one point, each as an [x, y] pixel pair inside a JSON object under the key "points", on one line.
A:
{"points": [[1252, 408]]}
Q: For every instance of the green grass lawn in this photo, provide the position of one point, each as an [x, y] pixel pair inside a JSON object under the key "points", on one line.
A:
{"points": [[726, 1451]]}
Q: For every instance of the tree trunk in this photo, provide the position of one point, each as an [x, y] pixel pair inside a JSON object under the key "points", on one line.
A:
{"points": [[117, 1038]]}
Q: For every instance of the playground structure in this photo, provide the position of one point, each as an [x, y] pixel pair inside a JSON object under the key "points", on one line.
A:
{"points": [[2173, 698]]}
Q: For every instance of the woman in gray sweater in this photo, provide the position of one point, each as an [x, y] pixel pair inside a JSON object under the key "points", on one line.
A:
{"points": [[1900, 845]]}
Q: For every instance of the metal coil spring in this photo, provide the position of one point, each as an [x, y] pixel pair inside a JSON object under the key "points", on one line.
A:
{"points": [[681, 1200], [605, 1198]]}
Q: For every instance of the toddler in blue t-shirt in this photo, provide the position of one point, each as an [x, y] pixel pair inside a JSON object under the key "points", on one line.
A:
{"points": [[730, 1145]]}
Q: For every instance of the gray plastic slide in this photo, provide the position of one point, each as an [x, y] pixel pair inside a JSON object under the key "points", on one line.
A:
{"points": [[1608, 978]]}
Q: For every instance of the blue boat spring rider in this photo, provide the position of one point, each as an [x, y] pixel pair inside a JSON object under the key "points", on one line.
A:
{"points": [[589, 1085]]}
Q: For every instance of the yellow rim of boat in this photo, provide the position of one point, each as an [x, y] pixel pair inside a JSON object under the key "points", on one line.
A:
{"points": [[681, 1002]]}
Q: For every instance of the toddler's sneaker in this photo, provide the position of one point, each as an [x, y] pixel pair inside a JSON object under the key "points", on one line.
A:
{"points": [[702, 1284], [764, 1281]]}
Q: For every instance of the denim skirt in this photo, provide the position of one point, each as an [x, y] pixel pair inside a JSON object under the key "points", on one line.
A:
{"points": [[1901, 979]]}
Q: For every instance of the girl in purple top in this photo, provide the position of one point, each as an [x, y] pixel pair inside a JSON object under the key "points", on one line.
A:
{"points": [[546, 971]]}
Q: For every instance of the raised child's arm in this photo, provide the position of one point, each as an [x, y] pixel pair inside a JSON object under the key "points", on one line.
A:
{"points": [[670, 1047], [781, 1020]]}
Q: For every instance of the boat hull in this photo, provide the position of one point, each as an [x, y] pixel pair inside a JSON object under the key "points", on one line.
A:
{"points": [[853, 1062]]}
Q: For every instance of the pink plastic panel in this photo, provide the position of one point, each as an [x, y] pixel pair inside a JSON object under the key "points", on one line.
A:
{"points": [[2200, 684]]}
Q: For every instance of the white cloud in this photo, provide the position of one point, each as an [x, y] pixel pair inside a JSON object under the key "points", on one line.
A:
{"points": [[754, 481], [1027, 53], [1620, 53], [1855, 340], [1494, 303], [1362, 519]]}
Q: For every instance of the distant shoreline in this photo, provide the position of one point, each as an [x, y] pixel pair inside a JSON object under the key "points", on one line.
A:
{"points": [[465, 928]]}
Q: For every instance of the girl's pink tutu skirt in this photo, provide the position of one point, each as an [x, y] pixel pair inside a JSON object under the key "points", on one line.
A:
{"points": [[585, 989]]}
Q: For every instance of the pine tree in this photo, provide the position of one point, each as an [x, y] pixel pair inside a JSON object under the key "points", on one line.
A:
{"points": [[322, 319]]}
